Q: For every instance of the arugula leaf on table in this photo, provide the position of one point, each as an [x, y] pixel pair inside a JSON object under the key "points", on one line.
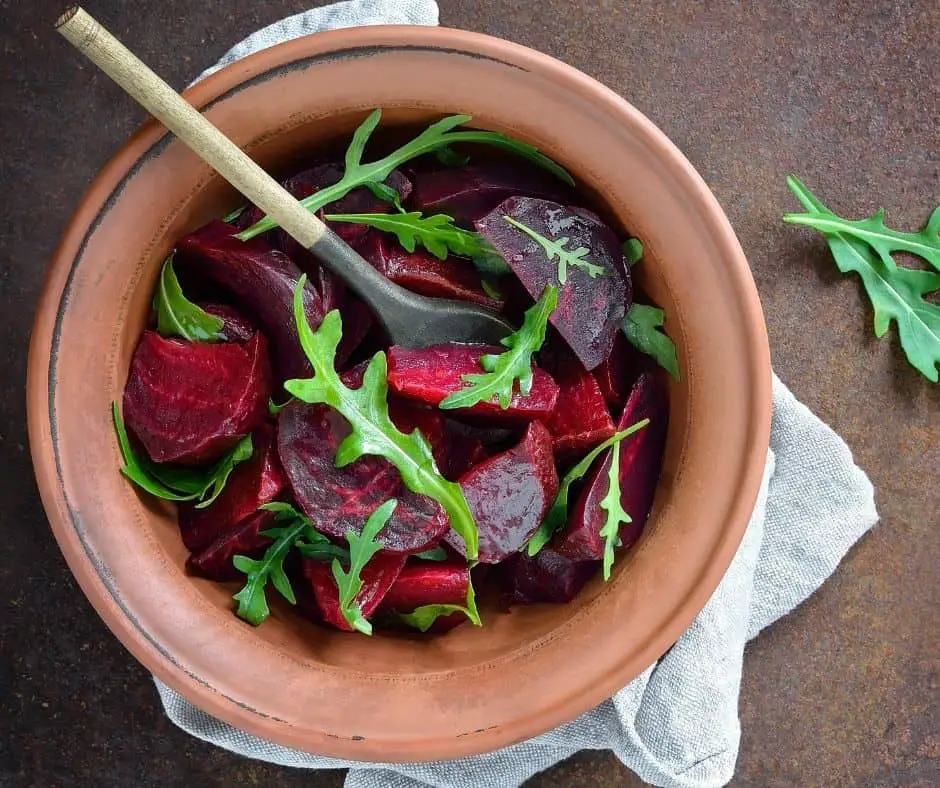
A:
{"points": [[361, 549], [640, 328], [311, 543], [177, 316], [252, 600], [178, 482], [436, 233], [896, 293], [502, 370], [633, 251], [555, 247], [437, 136], [432, 554], [558, 512], [366, 410], [616, 516], [423, 617]]}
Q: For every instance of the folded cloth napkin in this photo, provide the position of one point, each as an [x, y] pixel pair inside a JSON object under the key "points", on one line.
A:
{"points": [[676, 724]]}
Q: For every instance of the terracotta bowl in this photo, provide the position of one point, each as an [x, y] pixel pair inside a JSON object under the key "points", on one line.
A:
{"points": [[398, 698]]}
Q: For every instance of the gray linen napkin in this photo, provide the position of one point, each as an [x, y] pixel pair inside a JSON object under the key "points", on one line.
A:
{"points": [[677, 724]]}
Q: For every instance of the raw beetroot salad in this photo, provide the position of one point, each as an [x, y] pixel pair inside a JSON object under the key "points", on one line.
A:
{"points": [[375, 484]]}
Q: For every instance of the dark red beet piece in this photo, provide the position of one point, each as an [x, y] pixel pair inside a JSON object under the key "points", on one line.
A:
{"points": [[421, 272], [617, 373], [580, 420], [428, 583], [468, 193], [246, 538], [408, 417], [357, 321], [377, 576], [547, 577], [237, 327], [254, 482], [509, 495], [190, 402], [640, 461], [589, 311], [430, 374], [338, 500], [261, 280]]}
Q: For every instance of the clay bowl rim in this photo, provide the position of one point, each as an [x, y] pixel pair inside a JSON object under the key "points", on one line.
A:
{"points": [[268, 61]]}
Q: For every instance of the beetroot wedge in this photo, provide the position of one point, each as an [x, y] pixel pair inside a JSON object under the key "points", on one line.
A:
{"points": [[236, 327], [581, 419], [590, 310], [469, 193], [509, 495], [640, 461], [421, 272], [215, 560], [261, 280], [546, 577], [253, 483], [430, 374], [338, 500], [377, 576], [617, 373], [190, 402], [428, 583]]}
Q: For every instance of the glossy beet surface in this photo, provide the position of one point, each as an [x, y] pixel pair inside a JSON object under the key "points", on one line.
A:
{"points": [[338, 500], [590, 309], [509, 495], [428, 583], [190, 402], [377, 578], [429, 375], [546, 577], [640, 460]]}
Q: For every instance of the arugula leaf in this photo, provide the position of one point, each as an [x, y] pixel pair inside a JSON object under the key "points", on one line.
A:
{"points": [[179, 317], [366, 410], [311, 543], [274, 408], [633, 251], [449, 158], [558, 512], [872, 231], [556, 248], [616, 516], [437, 136], [361, 549], [433, 554], [896, 294], [435, 233], [504, 369], [252, 600], [423, 617], [178, 482], [231, 217], [640, 328], [385, 193]]}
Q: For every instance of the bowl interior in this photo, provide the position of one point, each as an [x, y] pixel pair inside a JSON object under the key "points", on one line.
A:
{"points": [[407, 697]]}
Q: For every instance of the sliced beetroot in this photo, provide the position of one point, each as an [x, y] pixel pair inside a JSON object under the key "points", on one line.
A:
{"points": [[408, 417], [338, 500], [617, 373], [261, 280], [215, 560], [377, 576], [589, 311], [469, 193], [255, 482], [509, 494], [428, 583], [421, 272], [237, 327], [581, 419], [190, 402], [430, 374], [546, 577], [357, 322], [640, 461]]}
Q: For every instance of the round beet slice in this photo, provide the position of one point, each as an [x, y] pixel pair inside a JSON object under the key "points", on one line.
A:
{"points": [[338, 500]]}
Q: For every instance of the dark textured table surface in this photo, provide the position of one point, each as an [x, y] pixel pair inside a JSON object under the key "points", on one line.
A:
{"points": [[843, 691]]}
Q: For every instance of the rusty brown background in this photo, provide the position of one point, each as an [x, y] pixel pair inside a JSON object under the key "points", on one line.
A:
{"points": [[846, 94]]}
